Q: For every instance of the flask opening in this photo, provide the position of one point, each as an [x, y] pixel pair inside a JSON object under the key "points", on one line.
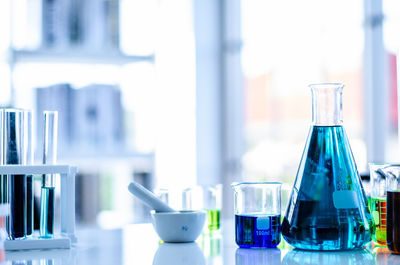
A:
{"points": [[327, 104]]}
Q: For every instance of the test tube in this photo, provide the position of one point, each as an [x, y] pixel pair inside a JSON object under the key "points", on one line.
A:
{"points": [[377, 201], [28, 155], [47, 194], [212, 199], [3, 178], [13, 153]]}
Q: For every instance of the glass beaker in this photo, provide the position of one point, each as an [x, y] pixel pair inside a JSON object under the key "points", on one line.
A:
{"points": [[257, 214], [392, 176], [328, 207], [378, 200]]}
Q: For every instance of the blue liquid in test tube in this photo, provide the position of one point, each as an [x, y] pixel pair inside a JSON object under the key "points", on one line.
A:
{"points": [[258, 230], [48, 182], [47, 212]]}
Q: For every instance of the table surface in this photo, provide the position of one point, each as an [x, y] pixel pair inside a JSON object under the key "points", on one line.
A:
{"points": [[139, 244]]}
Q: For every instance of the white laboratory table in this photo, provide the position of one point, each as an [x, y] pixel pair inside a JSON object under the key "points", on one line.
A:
{"points": [[139, 244]]}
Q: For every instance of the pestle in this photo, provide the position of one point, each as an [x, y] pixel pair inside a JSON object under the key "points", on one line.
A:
{"points": [[148, 198]]}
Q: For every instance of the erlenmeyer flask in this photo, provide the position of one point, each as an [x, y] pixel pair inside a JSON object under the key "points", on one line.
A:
{"points": [[328, 207]]}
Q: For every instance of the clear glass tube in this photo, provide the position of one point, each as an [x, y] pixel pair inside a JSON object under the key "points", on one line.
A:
{"points": [[377, 201], [3, 182], [212, 204], [207, 198], [47, 195], [13, 153], [50, 144], [28, 137], [28, 157], [3, 178], [1, 136], [13, 149]]}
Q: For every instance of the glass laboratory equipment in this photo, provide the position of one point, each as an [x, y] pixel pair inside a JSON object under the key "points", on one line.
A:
{"points": [[4, 209], [327, 208], [47, 194], [3, 178], [14, 153], [28, 150], [378, 200], [212, 204], [207, 198], [178, 198], [257, 214], [392, 173]]}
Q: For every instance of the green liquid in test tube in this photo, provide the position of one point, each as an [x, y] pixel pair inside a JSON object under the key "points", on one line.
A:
{"points": [[213, 217], [48, 183], [212, 204]]}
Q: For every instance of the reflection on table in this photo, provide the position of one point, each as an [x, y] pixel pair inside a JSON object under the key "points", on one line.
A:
{"points": [[139, 244], [249, 256], [383, 256], [179, 254], [328, 257], [48, 257]]}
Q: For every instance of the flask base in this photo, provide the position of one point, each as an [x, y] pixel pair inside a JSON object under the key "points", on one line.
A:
{"points": [[314, 237]]}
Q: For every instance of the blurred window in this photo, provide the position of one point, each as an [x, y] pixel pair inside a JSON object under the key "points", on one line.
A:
{"points": [[391, 37], [287, 45]]}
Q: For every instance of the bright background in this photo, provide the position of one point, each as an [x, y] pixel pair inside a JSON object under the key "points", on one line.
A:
{"points": [[211, 92]]}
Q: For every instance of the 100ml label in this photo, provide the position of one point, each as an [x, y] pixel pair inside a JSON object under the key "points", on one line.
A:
{"points": [[263, 232]]}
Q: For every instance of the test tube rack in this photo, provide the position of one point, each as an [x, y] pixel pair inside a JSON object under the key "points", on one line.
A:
{"points": [[67, 201]]}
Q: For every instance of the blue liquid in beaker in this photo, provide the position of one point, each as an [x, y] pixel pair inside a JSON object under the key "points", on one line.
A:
{"points": [[328, 208], [258, 230], [47, 212]]}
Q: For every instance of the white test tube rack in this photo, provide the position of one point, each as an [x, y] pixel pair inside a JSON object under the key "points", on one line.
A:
{"points": [[67, 201]]}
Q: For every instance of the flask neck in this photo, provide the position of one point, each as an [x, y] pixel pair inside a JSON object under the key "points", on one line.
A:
{"points": [[327, 104]]}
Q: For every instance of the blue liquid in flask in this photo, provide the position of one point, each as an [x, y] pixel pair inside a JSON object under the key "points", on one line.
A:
{"points": [[258, 230], [47, 212], [328, 208]]}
